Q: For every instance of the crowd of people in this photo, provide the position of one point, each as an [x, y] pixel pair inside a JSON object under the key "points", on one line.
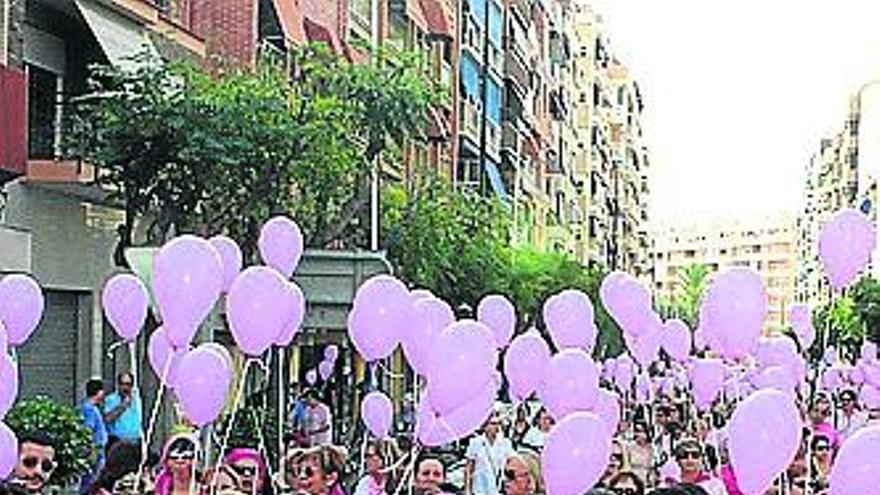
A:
{"points": [[660, 447]]}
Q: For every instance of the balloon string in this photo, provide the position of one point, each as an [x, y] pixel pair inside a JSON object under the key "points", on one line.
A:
{"points": [[409, 469], [154, 415], [388, 372], [264, 451], [239, 395], [282, 410]]}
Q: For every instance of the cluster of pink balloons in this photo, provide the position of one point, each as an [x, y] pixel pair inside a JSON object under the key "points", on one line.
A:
{"points": [[326, 367], [21, 309]]}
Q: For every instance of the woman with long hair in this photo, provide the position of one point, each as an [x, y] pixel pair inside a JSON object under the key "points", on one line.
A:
{"points": [[321, 470], [378, 458], [178, 465], [522, 474]]}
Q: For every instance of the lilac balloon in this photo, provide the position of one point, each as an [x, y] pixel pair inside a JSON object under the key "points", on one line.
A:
{"points": [[870, 396], [8, 451], [856, 470], [676, 340], [497, 313], [331, 353], [312, 377], [575, 454], [204, 380], [799, 315], [707, 379], [4, 339], [187, 279], [377, 413], [777, 378], [646, 346], [462, 361], [643, 388], [569, 320], [381, 315], [734, 311], [624, 373], [21, 307], [8, 384], [608, 409], [831, 379], [125, 303], [220, 351], [869, 351], [325, 370], [524, 363], [164, 358], [871, 372], [846, 242], [256, 309], [765, 433], [430, 316], [570, 383], [281, 245], [295, 311], [627, 301], [700, 339], [230, 259], [434, 430]]}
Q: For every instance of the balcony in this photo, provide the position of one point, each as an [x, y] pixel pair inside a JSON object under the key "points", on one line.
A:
{"points": [[510, 138], [13, 132], [493, 139], [470, 118], [517, 72]]}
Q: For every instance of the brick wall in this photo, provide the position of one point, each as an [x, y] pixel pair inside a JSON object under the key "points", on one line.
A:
{"points": [[229, 28]]}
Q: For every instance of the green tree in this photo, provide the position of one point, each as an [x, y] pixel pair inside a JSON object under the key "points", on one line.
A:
{"points": [[866, 296], [693, 280], [841, 326], [206, 153]]}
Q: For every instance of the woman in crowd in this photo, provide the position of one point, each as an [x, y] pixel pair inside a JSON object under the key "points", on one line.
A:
{"points": [[522, 474], [627, 483], [178, 465], [689, 456], [430, 475], [537, 435], [641, 453], [822, 459], [520, 427], [123, 459], [377, 456], [321, 470], [249, 469], [616, 463]]}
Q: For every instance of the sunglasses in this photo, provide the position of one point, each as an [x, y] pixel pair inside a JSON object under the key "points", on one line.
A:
{"points": [[511, 475], [181, 455], [307, 472], [689, 454], [822, 447], [246, 471], [45, 464], [617, 457], [625, 490]]}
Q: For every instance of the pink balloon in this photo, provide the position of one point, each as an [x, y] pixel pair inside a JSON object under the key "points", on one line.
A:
{"points": [[8, 384], [765, 433], [462, 361], [856, 470], [707, 380], [799, 315], [831, 379], [627, 301], [325, 370], [4, 339], [497, 313], [430, 316], [163, 356], [643, 388], [870, 396], [676, 340], [8, 451], [187, 278], [700, 339], [331, 353], [869, 351], [125, 302], [846, 242], [295, 311], [646, 346], [256, 309], [377, 413], [434, 430], [624, 373], [570, 383], [569, 320], [21, 307], [281, 245], [734, 311], [524, 364], [608, 409], [220, 351], [312, 377], [381, 315], [777, 378], [230, 259], [203, 385], [576, 454]]}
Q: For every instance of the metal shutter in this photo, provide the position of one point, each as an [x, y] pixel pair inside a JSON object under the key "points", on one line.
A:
{"points": [[48, 360]]}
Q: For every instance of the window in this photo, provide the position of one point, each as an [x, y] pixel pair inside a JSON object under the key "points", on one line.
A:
{"points": [[468, 171], [495, 24], [470, 76], [493, 101], [44, 115]]}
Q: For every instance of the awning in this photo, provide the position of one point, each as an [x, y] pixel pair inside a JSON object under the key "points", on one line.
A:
{"points": [[414, 12], [317, 33], [120, 37], [496, 180], [438, 25], [438, 126], [291, 20]]}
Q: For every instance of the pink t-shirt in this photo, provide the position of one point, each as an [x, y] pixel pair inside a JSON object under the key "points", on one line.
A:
{"points": [[729, 479], [824, 429]]}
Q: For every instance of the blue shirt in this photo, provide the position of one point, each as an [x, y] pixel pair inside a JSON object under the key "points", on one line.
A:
{"points": [[94, 421], [129, 425]]}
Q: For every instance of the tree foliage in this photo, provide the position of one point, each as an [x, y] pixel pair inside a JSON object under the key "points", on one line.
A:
{"points": [[693, 280], [221, 153]]}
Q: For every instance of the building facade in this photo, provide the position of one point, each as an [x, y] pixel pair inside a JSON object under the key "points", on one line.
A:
{"points": [[767, 246]]}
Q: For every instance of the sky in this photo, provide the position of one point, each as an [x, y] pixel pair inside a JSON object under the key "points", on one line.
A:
{"points": [[738, 94]]}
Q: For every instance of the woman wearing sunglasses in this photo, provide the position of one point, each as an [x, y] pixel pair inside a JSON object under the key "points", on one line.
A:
{"points": [[689, 457], [616, 463], [248, 468], [522, 474], [178, 465], [822, 460], [641, 453], [627, 483], [321, 470]]}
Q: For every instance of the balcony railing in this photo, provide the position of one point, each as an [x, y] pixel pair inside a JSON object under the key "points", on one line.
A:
{"points": [[470, 113], [514, 68]]}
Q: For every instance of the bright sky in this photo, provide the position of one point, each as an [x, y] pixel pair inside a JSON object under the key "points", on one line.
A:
{"points": [[739, 93]]}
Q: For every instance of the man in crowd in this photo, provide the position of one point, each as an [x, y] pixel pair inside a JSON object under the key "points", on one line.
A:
{"points": [[36, 462], [487, 454], [94, 421], [430, 475], [123, 412], [318, 422]]}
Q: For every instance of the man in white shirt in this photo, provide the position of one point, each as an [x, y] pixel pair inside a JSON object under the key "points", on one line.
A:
{"points": [[850, 418], [487, 455]]}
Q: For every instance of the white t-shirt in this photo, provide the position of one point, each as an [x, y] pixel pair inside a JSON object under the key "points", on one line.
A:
{"points": [[489, 461], [534, 439], [848, 425], [713, 486], [315, 418]]}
